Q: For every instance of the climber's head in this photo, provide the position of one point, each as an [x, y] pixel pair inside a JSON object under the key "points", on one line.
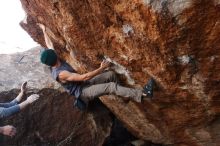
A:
{"points": [[48, 57]]}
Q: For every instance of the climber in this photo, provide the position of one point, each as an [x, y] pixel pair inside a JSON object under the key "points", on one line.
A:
{"points": [[11, 108], [90, 85]]}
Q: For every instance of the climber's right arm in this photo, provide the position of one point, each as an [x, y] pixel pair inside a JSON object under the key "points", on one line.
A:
{"points": [[68, 76]]}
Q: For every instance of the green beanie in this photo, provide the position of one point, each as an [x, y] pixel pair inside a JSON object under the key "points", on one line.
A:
{"points": [[48, 57]]}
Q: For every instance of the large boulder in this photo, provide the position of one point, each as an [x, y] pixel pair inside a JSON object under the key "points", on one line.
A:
{"points": [[175, 41]]}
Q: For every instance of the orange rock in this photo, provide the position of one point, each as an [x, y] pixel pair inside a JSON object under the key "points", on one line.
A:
{"points": [[175, 42]]}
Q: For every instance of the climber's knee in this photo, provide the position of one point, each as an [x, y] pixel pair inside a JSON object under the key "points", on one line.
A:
{"points": [[111, 87], [112, 76]]}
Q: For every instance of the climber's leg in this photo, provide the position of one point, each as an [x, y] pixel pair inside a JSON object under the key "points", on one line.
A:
{"points": [[105, 77], [94, 91]]}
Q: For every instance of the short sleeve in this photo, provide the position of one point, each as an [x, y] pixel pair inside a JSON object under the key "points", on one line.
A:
{"points": [[55, 74]]}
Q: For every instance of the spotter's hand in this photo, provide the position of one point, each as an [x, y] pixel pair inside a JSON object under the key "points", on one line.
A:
{"points": [[23, 87]]}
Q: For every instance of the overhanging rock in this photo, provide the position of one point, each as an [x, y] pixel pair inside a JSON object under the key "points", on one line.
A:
{"points": [[175, 41]]}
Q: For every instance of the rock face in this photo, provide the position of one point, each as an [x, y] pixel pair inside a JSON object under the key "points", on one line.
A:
{"points": [[175, 41], [51, 120]]}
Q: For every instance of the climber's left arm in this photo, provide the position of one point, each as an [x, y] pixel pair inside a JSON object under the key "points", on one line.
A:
{"points": [[47, 39]]}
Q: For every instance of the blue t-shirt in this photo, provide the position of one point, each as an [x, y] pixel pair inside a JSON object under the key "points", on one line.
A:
{"points": [[73, 87]]}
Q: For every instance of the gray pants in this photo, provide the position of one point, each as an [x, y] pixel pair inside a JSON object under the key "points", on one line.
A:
{"points": [[106, 83]]}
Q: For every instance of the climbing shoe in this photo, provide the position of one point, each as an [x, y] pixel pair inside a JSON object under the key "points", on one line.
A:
{"points": [[148, 88]]}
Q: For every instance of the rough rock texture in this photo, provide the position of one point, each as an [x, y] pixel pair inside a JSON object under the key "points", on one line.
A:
{"points": [[52, 119], [175, 41]]}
